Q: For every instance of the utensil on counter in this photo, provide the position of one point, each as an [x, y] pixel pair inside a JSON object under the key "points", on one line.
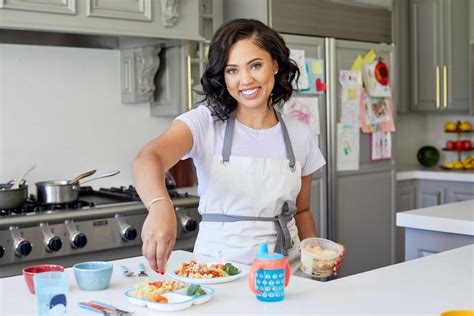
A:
{"points": [[104, 309], [16, 184], [141, 270], [63, 191], [82, 176], [12, 198], [125, 271]]}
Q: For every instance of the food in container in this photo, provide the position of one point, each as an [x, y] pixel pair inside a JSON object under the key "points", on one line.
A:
{"points": [[318, 256]]}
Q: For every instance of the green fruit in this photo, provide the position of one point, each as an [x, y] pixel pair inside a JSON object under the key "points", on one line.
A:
{"points": [[428, 156]]}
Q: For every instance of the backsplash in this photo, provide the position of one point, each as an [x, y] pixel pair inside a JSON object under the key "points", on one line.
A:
{"points": [[60, 108], [415, 130]]}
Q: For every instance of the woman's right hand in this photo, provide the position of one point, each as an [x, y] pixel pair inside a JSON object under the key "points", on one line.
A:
{"points": [[159, 235]]}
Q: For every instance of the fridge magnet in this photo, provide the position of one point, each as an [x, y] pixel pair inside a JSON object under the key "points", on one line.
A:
{"points": [[380, 145], [349, 78], [350, 98], [369, 57], [315, 72], [347, 147], [385, 126], [376, 79], [298, 56], [304, 109]]}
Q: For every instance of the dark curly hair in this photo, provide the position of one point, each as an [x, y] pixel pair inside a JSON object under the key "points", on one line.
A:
{"points": [[213, 84]]}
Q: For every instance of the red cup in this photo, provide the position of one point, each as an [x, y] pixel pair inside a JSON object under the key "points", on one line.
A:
{"points": [[29, 272]]}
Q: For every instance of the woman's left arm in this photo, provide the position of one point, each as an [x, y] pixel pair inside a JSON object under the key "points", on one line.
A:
{"points": [[304, 218]]}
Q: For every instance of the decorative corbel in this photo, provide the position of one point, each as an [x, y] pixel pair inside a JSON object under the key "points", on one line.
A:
{"points": [[138, 70], [169, 12]]}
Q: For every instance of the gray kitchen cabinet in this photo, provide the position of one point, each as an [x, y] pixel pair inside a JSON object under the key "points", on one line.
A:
{"points": [[471, 20], [406, 200], [181, 67], [430, 193], [421, 243], [400, 33], [420, 193], [439, 53], [145, 18]]}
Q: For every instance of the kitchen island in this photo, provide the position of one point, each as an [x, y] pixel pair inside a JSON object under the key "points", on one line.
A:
{"points": [[427, 285], [438, 228]]}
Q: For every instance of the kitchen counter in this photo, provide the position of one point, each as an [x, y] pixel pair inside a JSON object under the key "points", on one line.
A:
{"points": [[456, 218], [428, 285], [418, 172]]}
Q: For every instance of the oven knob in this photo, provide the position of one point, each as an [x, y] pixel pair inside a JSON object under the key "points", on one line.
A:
{"points": [[78, 240], [54, 244], [129, 233], [190, 225], [23, 248], [2, 251]]}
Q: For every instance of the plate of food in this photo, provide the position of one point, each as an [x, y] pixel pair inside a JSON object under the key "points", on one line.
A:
{"points": [[208, 273], [169, 295]]}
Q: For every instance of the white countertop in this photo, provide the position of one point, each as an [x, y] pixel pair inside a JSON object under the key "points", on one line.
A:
{"points": [[456, 218], [427, 285], [417, 172]]}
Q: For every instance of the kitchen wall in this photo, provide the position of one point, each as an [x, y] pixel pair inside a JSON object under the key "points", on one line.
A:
{"points": [[60, 108], [415, 130]]}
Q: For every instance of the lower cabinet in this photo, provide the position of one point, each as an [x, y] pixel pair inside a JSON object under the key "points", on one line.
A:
{"points": [[421, 243], [416, 194]]}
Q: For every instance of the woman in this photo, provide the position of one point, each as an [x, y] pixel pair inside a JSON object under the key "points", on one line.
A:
{"points": [[254, 165]]}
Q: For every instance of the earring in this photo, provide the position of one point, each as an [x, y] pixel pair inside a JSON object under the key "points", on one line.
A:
{"points": [[276, 71]]}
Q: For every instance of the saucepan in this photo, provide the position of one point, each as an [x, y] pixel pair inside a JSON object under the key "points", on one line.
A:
{"points": [[13, 198], [64, 191]]}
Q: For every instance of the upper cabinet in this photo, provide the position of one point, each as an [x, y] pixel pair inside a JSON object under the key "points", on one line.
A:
{"points": [[166, 19], [471, 19], [439, 55], [181, 66]]}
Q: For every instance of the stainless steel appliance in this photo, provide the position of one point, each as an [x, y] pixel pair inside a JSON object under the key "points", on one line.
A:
{"points": [[355, 208], [103, 224]]}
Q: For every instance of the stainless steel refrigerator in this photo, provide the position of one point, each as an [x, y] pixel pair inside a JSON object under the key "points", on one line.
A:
{"points": [[354, 208]]}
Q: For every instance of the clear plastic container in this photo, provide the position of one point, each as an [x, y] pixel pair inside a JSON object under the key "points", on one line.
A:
{"points": [[318, 256]]}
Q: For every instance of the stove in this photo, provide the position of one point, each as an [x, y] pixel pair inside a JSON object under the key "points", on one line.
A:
{"points": [[102, 224]]}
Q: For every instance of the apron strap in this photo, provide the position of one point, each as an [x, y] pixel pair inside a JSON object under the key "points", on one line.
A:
{"points": [[283, 242], [229, 132], [286, 137]]}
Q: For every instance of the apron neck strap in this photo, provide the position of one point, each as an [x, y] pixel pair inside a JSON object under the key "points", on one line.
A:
{"points": [[229, 132]]}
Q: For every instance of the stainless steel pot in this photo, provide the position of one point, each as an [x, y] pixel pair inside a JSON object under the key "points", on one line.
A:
{"points": [[12, 198], [62, 191]]}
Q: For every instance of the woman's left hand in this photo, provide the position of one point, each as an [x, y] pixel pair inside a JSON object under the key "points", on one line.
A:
{"points": [[339, 260]]}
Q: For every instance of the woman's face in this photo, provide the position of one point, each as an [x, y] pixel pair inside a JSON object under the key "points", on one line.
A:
{"points": [[249, 74]]}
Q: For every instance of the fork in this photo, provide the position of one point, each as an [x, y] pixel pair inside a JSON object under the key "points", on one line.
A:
{"points": [[117, 310], [141, 270]]}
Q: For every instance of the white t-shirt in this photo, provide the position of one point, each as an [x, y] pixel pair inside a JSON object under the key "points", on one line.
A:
{"points": [[208, 138]]}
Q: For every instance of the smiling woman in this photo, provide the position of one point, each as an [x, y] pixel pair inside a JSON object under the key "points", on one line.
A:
{"points": [[254, 165]]}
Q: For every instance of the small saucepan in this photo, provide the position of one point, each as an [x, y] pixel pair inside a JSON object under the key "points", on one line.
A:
{"points": [[13, 198], [63, 191]]}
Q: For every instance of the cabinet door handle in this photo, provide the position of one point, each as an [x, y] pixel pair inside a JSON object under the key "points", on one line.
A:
{"points": [[190, 85], [437, 86], [438, 198], [445, 86]]}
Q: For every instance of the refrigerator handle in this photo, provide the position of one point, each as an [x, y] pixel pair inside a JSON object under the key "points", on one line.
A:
{"points": [[331, 115]]}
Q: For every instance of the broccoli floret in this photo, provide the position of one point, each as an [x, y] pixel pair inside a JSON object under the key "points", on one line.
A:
{"points": [[230, 269], [196, 290]]}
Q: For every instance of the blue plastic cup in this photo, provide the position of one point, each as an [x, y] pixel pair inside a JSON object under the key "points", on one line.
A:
{"points": [[51, 291]]}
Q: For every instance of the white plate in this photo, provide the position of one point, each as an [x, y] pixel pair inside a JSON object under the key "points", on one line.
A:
{"points": [[244, 270], [177, 300]]}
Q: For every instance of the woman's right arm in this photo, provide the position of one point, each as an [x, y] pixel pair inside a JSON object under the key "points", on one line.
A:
{"points": [[159, 228]]}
